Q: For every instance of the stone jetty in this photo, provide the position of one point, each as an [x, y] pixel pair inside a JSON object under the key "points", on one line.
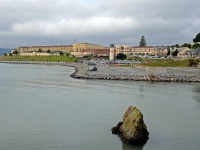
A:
{"points": [[158, 78], [81, 72], [132, 129]]}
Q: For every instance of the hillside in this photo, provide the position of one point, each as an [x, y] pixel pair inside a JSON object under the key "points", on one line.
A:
{"points": [[39, 58]]}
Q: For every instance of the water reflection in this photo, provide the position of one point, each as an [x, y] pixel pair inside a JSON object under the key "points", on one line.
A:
{"points": [[131, 147], [196, 91]]}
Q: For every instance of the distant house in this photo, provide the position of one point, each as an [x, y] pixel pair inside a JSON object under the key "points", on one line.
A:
{"points": [[195, 53], [183, 52]]}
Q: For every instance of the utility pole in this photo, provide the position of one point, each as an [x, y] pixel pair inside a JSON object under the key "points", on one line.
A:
{"points": [[52, 42]]}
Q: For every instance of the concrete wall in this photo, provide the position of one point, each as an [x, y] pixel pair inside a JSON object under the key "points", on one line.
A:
{"points": [[112, 49]]}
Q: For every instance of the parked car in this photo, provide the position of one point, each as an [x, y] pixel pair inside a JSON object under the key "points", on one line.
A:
{"points": [[92, 68]]}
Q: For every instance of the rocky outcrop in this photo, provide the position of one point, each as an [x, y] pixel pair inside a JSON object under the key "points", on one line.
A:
{"points": [[133, 129]]}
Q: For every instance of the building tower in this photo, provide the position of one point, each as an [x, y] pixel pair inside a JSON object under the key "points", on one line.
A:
{"points": [[112, 51]]}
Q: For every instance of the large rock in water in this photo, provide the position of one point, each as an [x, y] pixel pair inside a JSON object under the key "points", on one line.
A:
{"points": [[133, 129]]}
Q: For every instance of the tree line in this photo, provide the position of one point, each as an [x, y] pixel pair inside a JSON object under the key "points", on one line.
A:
{"points": [[191, 46]]}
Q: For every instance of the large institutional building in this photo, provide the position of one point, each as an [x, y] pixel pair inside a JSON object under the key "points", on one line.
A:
{"points": [[55, 48], [78, 47], [87, 49]]}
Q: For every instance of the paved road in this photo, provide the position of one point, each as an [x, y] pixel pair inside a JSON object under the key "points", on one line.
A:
{"points": [[182, 71], [106, 69]]}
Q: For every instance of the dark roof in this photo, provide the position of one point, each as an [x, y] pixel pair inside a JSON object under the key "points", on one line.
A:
{"points": [[47, 46], [186, 53], [143, 47], [89, 43], [160, 47], [180, 48], [196, 51]]}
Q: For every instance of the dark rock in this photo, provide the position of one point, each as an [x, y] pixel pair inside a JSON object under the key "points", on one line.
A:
{"points": [[133, 129]]}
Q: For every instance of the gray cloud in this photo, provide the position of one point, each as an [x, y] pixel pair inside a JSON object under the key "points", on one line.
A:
{"points": [[37, 22]]}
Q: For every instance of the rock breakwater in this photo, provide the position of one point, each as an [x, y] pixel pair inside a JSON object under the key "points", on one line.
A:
{"points": [[81, 72], [155, 78]]}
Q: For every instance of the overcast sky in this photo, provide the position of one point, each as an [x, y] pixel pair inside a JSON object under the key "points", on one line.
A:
{"points": [[37, 22]]}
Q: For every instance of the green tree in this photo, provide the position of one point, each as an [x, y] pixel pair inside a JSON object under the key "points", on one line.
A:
{"points": [[5, 54], [193, 62], [176, 45], [40, 50], [10, 54], [68, 54], [48, 51], [142, 41], [168, 52], [195, 45], [15, 52], [197, 38], [175, 53], [121, 56], [61, 53], [186, 45]]}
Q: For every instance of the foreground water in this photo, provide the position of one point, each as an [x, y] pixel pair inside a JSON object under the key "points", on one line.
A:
{"points": [[42, 108]]}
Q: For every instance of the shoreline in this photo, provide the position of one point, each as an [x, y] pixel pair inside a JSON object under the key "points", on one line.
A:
{"points": [[81, 72]]}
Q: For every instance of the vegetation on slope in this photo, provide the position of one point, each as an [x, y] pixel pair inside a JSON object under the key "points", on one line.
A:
{"points": [[39, 58], [171, 63], [163, 63]]}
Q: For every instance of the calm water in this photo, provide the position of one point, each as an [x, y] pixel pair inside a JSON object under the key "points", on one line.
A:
{"points": [[42, 108]]}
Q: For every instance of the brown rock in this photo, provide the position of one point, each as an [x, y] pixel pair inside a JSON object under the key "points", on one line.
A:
{"points": [[133, 129]]}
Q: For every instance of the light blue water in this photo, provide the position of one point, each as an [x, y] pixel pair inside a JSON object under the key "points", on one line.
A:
{"points": [[42, 108]]}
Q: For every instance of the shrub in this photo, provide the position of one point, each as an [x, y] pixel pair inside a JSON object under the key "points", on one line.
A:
{"points": [[61, 53], [193, 62], [121, 56]]}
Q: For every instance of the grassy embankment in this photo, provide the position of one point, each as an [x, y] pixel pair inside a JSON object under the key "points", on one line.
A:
{"points": [[39, 58], [165, 63]]}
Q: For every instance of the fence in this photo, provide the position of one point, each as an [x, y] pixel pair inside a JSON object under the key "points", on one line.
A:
{"points": [[156, 71]]}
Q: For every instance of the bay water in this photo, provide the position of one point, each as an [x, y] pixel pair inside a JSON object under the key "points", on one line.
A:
{"points": [[42, 108]]}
